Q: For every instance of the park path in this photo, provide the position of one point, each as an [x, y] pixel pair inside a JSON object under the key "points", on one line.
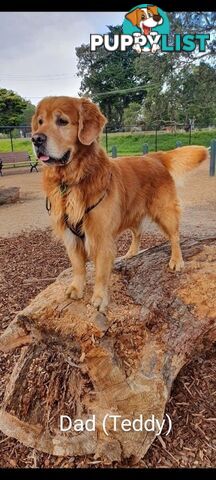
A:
{"points": [[198, 195]]}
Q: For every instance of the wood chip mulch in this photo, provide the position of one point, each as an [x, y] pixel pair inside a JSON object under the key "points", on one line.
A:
{"points": [[29, 262]]}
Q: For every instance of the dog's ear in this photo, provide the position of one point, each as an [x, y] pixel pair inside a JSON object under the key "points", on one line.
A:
{"points": [[91, 122], [33, 122], [153, 10], [132, 16]]}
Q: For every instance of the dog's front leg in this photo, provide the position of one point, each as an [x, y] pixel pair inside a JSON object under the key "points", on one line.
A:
{"points": [[77, 255], [103, 260]]}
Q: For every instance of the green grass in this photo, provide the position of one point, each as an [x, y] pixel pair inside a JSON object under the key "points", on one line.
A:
{"points": [[132, 143], [19, 144], [128, 143]]}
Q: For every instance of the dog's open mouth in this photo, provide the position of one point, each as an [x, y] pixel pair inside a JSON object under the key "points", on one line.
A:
{"points": [[146, 30], [57, 161]]}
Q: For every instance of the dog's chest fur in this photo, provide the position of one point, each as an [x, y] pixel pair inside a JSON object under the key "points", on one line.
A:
{"points": [[70, 203]]}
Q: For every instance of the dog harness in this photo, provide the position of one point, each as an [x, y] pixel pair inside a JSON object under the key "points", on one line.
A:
{"points": [[77, 228]]}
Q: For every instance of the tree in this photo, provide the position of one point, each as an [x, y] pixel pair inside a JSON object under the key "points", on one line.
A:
{"points": [[187, 93], [168, 86], [102, 71], [27, 114], [123, 363], [180, 83], [198, 94], [11, 107], [131, 115], [196, 22]]}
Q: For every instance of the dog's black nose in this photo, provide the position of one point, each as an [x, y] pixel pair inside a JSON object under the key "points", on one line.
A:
{"points": [[156, 18], [39, 139]]}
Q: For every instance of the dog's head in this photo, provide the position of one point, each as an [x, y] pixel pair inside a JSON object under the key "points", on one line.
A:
{"points": [[144, 18], [61, 124]]}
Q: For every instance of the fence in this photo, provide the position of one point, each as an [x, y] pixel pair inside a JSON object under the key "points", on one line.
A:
{"points": [[131, 140], [134, 141], [156, 141], [181, 135], [11, 133]]}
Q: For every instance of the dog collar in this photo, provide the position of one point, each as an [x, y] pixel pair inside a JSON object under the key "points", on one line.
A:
{"points": [[63, 187]]}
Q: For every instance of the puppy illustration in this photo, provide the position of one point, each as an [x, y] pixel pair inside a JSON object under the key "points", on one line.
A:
{"points": [[145, 19]]}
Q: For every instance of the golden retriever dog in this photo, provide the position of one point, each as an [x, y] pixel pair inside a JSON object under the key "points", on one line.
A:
{"points": [[93, 198]]}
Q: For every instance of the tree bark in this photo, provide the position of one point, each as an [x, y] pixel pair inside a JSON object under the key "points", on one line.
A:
{"points": [[77, 362]]}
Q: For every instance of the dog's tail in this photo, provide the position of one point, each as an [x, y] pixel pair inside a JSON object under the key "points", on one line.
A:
{"points": [[183, 159]]}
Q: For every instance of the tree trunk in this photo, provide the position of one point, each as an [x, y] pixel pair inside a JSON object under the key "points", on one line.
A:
{"points": [[80, 363]]}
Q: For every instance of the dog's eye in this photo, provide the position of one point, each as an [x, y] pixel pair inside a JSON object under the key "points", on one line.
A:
{"points": [[61, 122], [40, 121]]}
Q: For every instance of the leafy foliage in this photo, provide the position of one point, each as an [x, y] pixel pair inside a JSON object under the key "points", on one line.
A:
{"points": [[131, 114], [27, 114], [104, 71], [11, 107], [168, 87]]}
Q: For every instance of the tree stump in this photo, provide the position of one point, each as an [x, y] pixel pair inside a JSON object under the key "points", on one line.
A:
{"points": [[77, 362], [9, 195]]}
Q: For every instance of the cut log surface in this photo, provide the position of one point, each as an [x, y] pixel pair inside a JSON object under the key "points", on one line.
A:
{"points": [[9, 195], [77, 362]]}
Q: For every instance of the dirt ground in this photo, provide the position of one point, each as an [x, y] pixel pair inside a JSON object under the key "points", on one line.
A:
{"points": [[30, 250]]}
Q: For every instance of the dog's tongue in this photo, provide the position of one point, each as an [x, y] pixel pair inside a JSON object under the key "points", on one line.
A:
{"points": [[146, 30], [44, 158]]}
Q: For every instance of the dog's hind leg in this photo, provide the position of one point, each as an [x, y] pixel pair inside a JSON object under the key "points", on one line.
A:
{"points": [[135, 243], [168, 220], [176, 261]]}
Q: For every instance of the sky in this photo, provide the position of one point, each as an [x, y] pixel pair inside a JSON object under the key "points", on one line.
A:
{"points": [[37, 50]]}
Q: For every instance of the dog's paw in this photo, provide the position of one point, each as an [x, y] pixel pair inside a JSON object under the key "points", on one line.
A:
{"points": [[176, 265], [74, 292], [100, 302], [155, 48], [137, 48], [129, 254]]}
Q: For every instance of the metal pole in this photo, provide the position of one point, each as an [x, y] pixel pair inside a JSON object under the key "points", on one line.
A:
{"points": [[114, 152], [11, 140], [106, 133], [145, 149], [156, 143], [212, 167], [190, 135]]}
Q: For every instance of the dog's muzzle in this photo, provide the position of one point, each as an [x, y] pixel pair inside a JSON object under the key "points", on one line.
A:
{"points": [[39, 142], [54, 161]]}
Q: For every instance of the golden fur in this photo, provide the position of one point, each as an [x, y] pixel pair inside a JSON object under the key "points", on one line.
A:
{"points": [[134, 187]]}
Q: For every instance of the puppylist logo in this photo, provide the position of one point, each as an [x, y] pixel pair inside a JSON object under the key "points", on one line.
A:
{"points": [[146, 28]]}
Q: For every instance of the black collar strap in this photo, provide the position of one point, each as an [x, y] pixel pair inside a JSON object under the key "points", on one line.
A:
{"points": [[95, 205], [77, 228]]}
